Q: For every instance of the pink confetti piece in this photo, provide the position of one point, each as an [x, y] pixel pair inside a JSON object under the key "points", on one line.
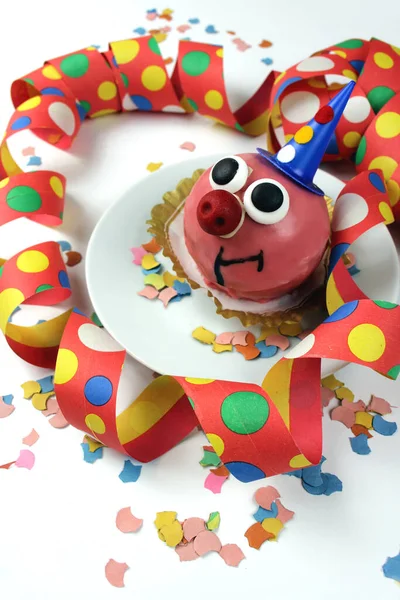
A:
{"points": [[358, 406], [166, 295], [165, 29], [304, 334], [265, 496], [25, 460], [232, 554], [239, 338], [149, 292], [241, 45], [379, 406], [138, 254], [28, 151], [52, 407], [115, 572], [344, 415], [186, 552], [127, 522], [224, 338], [214, 483], [183, 28], [151, 16], [192, 527], [284, 514], [5, 409], [31, 438], [206, 541], [58, 421], [326, 396], [188, 146], [277, 340]]}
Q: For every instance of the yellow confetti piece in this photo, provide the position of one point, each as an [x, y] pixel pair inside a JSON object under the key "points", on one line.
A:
{"points": [[149, 262], [266, 332], [331, 383], [364, 418], [290, 328], [218, 348], [173, 534], [160, 535], [154, 166], [155, 280], [93, 444], [165, 518], [30, 388], [273, 526], [167, 11], [343, 393], [39, 401], [204, 335], [160, 37]]}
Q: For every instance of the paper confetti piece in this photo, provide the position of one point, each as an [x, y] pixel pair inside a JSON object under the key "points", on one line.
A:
{"points": [[182, 288], [344, 415], [278, 340], [290, 328], [358, 406], [192, 527], [214, 483], [8, 398], [148, 292], [149, 262], [26, 460], [207, 541], [172, 534], [46, 384], [194, 21], [240, 338], [151, 271], [263, 513], [232, 554], [73, 258], [266, 351], [326, 396], [360, 429], [130, 473], [203, 335], [380, 425], [5, 409], [210, 459], [30, 388], [343, 393], [241, 45], [265, 496], [7, 465], [265, 44], [183, 28], [64, 245], [249, 352], [331, 382], [154, 166], [127, 522], [312, 475], [34, 161], [166, 295], [39, 401], [273, 526], [210, 29], [221, 471], [219, 348], [28, 151], [58, 421], [391, 568], [267, 61], [214, 521], [284, 514], [330, 484], [152, 246], [379, 406], [359, 444], [140, 31], [52, 407], [31, 438], [115, 572], [186, 552], [224, 338], [91, 457], [138, 254], [364, 418], [155, 280], [188, 146], [267, 331], [256, 535], [92, 443]]}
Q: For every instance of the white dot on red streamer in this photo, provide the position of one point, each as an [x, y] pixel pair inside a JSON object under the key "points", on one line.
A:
{"points": [[316, 63], [357, 109], [302, 347], [286, 154], [127, 103], [299, 107], [62, 116], [98, 339], [350, 209], [173, 109]]}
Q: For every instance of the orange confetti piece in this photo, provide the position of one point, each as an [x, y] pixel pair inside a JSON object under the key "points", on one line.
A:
{"points": [[115, 572], [73, 258], [256, 535], [127, 522], [249, 352], [153, 247], [265, 44], [359, 429], [221, 471]]}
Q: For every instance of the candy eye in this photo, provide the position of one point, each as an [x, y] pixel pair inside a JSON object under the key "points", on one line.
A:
{"points": [[266, 201], [229, 173]]}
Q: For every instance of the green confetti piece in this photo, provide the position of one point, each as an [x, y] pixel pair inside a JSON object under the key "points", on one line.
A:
{"points": [[213, 521], [210, 459]]}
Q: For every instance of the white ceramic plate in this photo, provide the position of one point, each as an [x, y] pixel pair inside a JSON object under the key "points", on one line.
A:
{"points": [[161, 338]]}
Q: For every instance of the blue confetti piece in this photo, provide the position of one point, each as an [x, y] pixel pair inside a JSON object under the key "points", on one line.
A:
{"points": [[267, 61], [150, 271], [313, 476], [176, 299], [8, 398], [211, 29], [316, 490], [97, 46], [334, 484], [391, 568], [266, 351], [151, 10], [65, 246], [139, 30], [297, 473], [354, 271], [194, 21], [186, 39], [41, 321], [46, 384], [91, 457], [263, 513], [359, 444], [383, 427], [34, 161], [130, 472], [182, 288]]}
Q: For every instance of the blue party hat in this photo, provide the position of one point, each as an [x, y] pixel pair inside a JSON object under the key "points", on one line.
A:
{"points": [[300, 158]]}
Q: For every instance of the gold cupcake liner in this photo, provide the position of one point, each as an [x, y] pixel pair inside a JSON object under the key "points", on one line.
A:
{"points": [[162, 216]]}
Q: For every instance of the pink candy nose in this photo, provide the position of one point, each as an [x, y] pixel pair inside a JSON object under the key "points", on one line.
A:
{"points": [[219, 212]]}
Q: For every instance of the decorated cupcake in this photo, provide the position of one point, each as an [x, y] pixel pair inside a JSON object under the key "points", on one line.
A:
{"points": [[253, 229]]}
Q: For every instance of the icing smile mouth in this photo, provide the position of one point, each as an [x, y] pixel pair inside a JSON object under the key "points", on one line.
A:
{"points": [[221, 262]]}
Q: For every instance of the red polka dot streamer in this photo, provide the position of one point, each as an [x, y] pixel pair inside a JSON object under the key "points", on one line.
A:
{"points": [[256, 430]]}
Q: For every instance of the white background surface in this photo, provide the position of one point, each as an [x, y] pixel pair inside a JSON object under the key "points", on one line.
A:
{"points": [[57, 527]]}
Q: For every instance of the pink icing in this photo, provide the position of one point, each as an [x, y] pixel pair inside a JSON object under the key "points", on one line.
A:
{"points": [[292, 249]]}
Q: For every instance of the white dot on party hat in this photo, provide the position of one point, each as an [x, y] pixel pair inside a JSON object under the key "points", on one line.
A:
{"points": [[286, 154], [62, 116], [316, 63], [357, 109], [350, 209], [300, 107]]}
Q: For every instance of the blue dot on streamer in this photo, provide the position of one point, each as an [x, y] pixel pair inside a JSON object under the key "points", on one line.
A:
{"points": [[82, 112], [336, 253], [377, 182], [284, 86], [245, 472], [344, 311], [63, 279], [20, 123], [98, 390], [114, 61], [78, 312], [332, 147], [141, 102], [357, 65], [51, 91]]}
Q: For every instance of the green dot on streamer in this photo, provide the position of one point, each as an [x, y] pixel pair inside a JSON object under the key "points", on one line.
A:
{"points": [[361, 150], [193, 104], [378, 97], [44, 287], [1, 270], [394, 372], [385, 304], [75, 65], [351, 44], [29, 80], [61, 215], [191, 402], [153, 45], [96, 320], [239, 127], [195, 63], [24, 199], [125, 79], [245, 412], [85, 104]]}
